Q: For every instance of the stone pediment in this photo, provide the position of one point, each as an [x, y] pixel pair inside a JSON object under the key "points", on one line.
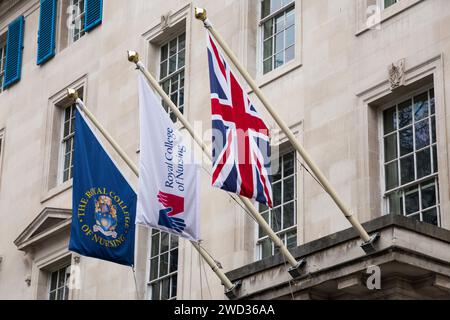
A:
{"points": [[48, 223]]}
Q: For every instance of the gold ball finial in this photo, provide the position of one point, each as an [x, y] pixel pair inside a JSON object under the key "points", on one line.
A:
{"points": [[200, 14], [133, 56], [72, 94]]}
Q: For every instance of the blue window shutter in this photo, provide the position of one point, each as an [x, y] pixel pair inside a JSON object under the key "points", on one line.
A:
{"points": [[94, 14], [14, 49], [46, 34]]}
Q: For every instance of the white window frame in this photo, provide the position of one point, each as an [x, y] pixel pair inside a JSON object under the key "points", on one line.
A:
{"points": [[271, 16], [282, 232], [80, 18], [177, 72], [62, 149], [65, 287], [158, 279], [2, 61], [381, 136]]}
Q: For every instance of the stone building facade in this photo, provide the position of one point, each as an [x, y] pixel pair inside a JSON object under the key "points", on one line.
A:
{"points": [[362, 84]]}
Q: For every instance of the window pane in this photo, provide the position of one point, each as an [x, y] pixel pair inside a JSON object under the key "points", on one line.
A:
{"points": [[172, 64], [411, 200], [61, 277], [173, 284], [276, 219], [290, 18], [52, 295], [276, 4], [165, 289], [431, 217], [155, 291], [154, 269], [291, 239], [396, 203], [164, 52], [390, 147], [405, 114], [421, 107], [288, 189], [266, 248], [407, 169], [53, 280], [173, 47], [164, 242], [267, 65], [288, 215], [388, 3], [423, 163], [173, 241], [390, 120], [279, 59], [181, 59], [391, 175], [268, 29], [164, 264], [279, 43], [428, 195], [290, 36], [406, 141], [155, 244], [422, 134], [182, 42], [290, 54], [173, 261], [268, 48], [276, 193], [163, 70], [265, 8], [288, 164]]}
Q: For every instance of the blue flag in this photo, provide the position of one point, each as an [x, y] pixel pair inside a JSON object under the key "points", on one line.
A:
{"points": [[104, 204]]}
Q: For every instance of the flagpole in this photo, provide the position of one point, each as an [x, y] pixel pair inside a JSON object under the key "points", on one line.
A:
{"points": [[368, 244], [73, 94], [295, 265]]}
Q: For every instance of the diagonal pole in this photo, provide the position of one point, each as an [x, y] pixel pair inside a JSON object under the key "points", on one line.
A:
{"points": [[295, 265], [368, 244], [72, 94]]}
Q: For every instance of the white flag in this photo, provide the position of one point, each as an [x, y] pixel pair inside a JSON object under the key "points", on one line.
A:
{"points": [[168, 177]]}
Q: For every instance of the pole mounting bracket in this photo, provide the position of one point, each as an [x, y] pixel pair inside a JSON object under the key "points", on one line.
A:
{"points": [[232, 292], [369, 246], [295, 271]]}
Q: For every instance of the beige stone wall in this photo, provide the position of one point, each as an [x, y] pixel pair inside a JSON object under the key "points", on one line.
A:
{"points": [[340, 69]]}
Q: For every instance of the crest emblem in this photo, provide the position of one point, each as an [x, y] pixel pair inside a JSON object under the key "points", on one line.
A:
{"points": [[105, 217]]}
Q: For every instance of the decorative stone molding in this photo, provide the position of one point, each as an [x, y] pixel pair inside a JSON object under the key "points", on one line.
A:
{"points": [[397, 74]]}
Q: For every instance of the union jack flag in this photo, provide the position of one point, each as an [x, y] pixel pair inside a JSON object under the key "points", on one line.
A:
{"points": [[241, 146]]}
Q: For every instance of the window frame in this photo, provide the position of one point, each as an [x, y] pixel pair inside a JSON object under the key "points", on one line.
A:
{"points": [[282, 233], [71, 31], [62, 145], [57, 288], [176, 73], [416, 182], [291, 6], [264, 79], [170, 275], [2, 60]]}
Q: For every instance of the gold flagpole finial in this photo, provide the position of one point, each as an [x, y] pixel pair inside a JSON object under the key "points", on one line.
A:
{"points": [[72, 94], [133, 56], [200, 14]]}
